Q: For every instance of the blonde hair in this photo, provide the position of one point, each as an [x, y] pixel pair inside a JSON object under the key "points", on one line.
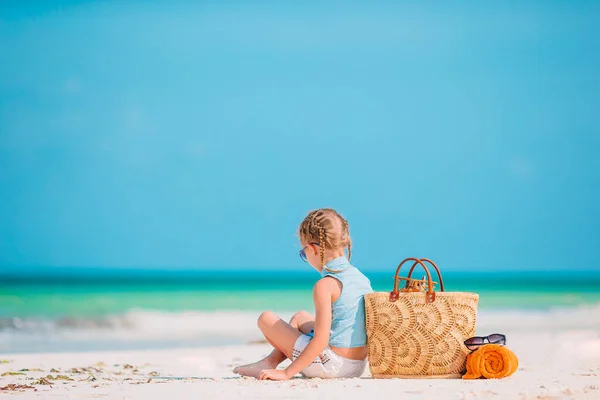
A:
{"points": [[328, 228]]}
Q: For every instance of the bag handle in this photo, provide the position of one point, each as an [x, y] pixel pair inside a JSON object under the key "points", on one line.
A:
{"points": [[429, 295], [427, 260]]}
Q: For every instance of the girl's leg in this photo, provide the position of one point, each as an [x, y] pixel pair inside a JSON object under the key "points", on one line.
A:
{"points": [[282, 336], [302, 321]]}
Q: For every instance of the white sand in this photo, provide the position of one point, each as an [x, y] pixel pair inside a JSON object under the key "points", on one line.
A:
{"points": [[561, 361]]}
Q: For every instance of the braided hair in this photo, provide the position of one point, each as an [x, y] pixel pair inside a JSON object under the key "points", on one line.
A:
{"points": [[328, 228]]}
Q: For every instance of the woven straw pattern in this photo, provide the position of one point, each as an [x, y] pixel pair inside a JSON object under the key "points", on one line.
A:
{"points": [[412, 338]]}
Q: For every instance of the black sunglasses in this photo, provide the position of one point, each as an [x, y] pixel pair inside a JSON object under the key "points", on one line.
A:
{"points": [[475, 342], [303, 252]]}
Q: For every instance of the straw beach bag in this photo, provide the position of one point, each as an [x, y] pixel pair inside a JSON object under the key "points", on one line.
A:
{"points": [[417, 332]]}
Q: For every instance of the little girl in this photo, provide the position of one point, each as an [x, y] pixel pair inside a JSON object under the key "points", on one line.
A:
{"points": [[332, 344]]}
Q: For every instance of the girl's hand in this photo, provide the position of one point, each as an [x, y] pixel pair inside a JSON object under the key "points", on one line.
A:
{"points": [[273, 374]]}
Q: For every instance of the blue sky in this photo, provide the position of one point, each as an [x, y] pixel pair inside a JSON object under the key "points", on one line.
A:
{"points": [[178, 135]]}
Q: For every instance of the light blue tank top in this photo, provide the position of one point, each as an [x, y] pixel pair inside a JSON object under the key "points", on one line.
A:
{"points": [[348, 311]]}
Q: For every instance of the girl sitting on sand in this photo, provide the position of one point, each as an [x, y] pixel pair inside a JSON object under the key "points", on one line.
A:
{"points": [[332, 345]]}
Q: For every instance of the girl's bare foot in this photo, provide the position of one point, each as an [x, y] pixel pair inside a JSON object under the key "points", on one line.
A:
{"points": [[254, 369]]}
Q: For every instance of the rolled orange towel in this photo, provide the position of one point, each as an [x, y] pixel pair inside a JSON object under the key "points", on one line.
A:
{"points": [[491, 361]]}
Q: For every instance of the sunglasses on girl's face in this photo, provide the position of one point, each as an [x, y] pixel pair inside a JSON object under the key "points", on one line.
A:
{"points": [[303, 252], [475, 342]]}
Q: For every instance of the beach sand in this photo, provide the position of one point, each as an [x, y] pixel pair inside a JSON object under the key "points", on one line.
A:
{"points": [[557, 360]]}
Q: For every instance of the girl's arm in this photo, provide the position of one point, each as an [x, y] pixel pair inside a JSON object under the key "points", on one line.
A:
{"points": [[322, 295]]}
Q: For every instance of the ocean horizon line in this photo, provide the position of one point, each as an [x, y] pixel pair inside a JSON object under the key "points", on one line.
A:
{"points": [[103, 275], [302, 267]]}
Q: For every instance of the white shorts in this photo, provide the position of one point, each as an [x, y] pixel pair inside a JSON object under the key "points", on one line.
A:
{"points": [[328, 364]]}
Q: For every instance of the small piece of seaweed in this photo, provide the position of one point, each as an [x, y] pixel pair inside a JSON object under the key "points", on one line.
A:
{"points": [[59, 378], [13, 386], [42, 381]]}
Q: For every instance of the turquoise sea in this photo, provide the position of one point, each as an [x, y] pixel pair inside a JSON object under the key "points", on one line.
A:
{"points": [[104, 309]]}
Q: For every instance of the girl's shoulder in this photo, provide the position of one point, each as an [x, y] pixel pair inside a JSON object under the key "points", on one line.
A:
{"points": [[325, 283], [327, 287]]}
